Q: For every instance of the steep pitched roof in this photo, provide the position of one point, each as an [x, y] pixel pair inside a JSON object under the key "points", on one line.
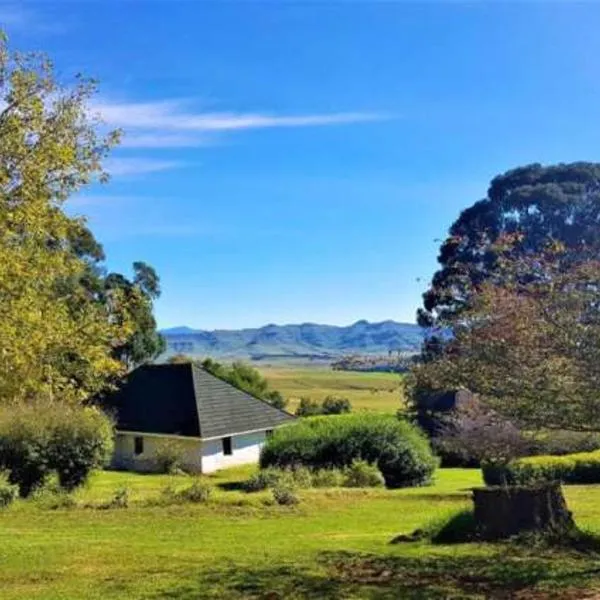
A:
{"points": [[184, 399]]}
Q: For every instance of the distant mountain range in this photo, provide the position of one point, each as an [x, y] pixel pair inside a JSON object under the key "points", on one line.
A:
{"points": [[307, 340]]}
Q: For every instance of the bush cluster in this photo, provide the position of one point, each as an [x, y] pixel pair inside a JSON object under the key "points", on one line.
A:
{"points": [[39, 439], [331, 405], [198, 492], [398, 449], [583, 467], [359, 474]]}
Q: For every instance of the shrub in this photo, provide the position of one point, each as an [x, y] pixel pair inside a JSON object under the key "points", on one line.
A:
{"points": [[263, 479], [167, 458], [285, 495], [399, 450], [198, 492], [82, 440], [40, 438], [302, 477], [327, 478], [54, 498], [298, 476], [583, 467], [362, 474], [333, 405], [559, 443], [8, 492], [308, 408]]}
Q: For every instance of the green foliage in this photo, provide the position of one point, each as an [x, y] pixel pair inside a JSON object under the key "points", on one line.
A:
{"points": [[247, 379], [8, 492], [40, 438], [263, 479], [270, 477], [198, 492], [168, 457], [308, 408], [285, 495], [362, 474], [334, 405], [557, 203], [328, 478], [583, 467], [331, 405], [399, 450]]}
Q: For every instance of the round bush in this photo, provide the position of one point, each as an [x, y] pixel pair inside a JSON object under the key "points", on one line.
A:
{"points": [[38, 439], [400, 451]]}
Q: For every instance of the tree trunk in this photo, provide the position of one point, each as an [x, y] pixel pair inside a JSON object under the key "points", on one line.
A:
{"points": [[501, 512]]}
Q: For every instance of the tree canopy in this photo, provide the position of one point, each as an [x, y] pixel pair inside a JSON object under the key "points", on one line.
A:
{"points": [[530, 348], [559, 203], [62, 320]]}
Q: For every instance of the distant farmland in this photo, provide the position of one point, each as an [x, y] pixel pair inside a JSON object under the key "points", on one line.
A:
{"points": [[380, 392]]}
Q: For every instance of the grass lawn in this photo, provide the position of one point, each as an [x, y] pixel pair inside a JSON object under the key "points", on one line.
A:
{"points": [[335, 544], [367, 391]]}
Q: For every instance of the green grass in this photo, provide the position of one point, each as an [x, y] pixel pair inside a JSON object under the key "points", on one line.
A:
{"points": [[335, 544], [367, 391]]}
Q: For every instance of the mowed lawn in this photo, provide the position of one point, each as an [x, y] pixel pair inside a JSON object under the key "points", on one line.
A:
{"points": [[380, 392], [334, 544]]}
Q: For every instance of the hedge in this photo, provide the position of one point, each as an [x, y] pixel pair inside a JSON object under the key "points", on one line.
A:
{"points": [[583, 467], [398, 449]]}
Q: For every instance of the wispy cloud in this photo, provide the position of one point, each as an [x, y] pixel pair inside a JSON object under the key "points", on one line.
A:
{"points": [[169, 115], [170, 124], [138, 166]]}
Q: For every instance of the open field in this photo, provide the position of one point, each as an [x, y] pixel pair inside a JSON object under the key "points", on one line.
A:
{"points": [[335, 544], [367, 391]]}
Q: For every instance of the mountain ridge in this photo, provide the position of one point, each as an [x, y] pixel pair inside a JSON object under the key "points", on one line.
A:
{"points": [[296, 340]]}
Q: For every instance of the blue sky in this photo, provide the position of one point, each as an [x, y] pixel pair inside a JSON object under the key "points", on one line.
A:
{"points": [[299, 161]]}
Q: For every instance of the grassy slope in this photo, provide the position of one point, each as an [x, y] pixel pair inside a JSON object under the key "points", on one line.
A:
{"points": [[334, 545], [366, 391]]}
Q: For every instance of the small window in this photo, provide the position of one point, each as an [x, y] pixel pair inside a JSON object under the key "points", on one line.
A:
{"points": [[138, 445], [227, 449], [268, 433]]}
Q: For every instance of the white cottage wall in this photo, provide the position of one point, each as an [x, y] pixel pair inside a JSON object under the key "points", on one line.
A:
{"points": [[245, 450], [124, 457]]}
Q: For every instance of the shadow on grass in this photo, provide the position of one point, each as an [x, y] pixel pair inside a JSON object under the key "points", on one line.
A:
{"points": [[232, 486], [510, 573]]}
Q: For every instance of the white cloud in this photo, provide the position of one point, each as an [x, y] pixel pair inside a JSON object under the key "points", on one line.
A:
{"points": [[171, 124], [171, 116], [138, 166]]}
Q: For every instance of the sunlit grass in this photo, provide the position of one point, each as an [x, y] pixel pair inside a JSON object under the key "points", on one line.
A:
{"points": [[380, 392], [334, 544]]}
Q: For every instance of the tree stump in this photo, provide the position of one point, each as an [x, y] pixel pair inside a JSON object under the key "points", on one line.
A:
{"points": [[504, 511]]}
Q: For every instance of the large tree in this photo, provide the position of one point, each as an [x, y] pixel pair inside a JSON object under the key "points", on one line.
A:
{"points": [[57, 341], [529, 348], [541, 203]]}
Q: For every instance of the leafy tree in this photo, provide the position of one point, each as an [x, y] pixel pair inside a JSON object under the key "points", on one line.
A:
{"points": [[559, 203], [246, 378], [54, 341], [530, 349]]}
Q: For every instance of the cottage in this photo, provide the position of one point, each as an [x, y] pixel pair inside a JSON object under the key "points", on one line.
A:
{"points": [[183, 409]]}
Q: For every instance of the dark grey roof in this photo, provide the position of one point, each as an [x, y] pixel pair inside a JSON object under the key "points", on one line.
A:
{"points": [[184, 399]]}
